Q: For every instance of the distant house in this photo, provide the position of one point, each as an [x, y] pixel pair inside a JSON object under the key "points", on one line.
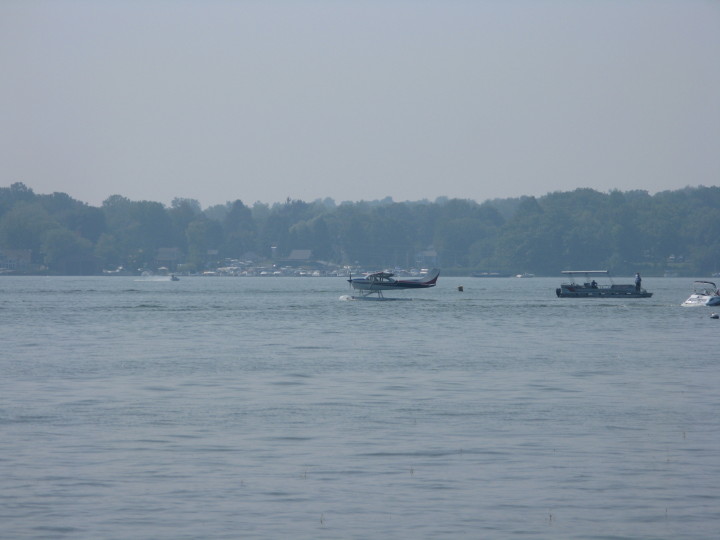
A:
{"points": [[168, 257], [77, 265], [15, 259], [429, 257], [298, 257]]}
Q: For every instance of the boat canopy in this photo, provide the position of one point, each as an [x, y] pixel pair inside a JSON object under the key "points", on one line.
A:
{"points": [[707, 288], [596, 272]]}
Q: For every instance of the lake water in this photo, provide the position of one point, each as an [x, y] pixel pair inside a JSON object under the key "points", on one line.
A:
{"points": [[222, 408]]}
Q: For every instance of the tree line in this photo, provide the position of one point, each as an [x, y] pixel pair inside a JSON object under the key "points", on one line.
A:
{"points": [[672, 231]]}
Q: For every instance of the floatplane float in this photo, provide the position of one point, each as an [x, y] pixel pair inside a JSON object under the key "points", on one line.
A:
{"points": [[377, 282]]}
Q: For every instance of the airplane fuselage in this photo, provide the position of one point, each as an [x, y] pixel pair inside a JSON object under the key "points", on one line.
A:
{"points": [[383, 281]]}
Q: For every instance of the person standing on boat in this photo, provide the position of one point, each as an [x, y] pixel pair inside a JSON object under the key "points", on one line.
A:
{"points": [[638, 281]]}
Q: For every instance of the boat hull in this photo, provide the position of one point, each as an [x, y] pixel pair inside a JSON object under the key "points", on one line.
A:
{"points": [[608, 292], [701, 300]]}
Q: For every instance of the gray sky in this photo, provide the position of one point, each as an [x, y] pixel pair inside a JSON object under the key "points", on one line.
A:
{"points": [[263, 100]]}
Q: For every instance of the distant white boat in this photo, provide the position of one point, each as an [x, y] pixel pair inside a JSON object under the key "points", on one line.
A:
{"points": [[705, 293]]}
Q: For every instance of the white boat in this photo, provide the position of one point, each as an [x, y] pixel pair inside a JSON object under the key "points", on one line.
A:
{"points": [[582, 284], [705, 293]]}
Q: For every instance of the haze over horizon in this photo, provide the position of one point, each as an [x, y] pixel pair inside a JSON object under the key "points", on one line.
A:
{"points": [[262, 101]]}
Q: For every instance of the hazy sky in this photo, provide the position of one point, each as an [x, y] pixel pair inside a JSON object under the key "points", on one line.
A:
{"points": [[263, 100]]}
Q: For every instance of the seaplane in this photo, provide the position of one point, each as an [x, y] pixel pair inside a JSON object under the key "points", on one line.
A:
{"points": [[377, 282]]}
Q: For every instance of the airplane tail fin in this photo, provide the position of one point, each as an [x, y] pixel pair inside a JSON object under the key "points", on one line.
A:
{"points": [[431, 277]]}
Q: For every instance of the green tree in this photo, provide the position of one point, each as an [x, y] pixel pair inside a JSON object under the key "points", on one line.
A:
{"points": [[25, 226], [203, 235], [182, 212], [239, 230], [68, 253], [16, 193], [140, 228], [109, 252]]}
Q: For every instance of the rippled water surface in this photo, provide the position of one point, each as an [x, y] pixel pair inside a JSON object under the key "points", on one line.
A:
{"points": [[269, 408]]}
